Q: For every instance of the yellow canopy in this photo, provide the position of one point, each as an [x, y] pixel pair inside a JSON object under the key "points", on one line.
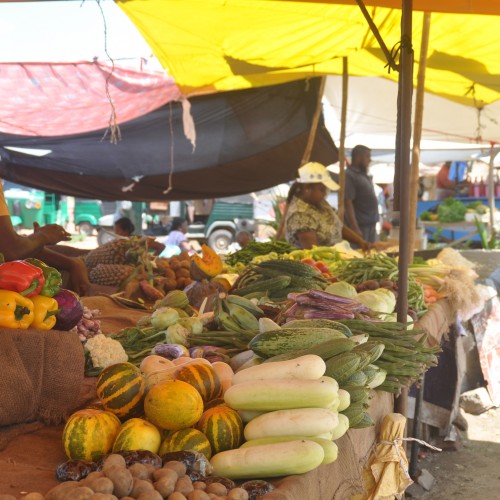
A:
{"points": [[219, 45]]}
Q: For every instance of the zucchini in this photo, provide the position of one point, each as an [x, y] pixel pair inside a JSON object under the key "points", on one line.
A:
{"points": [[295, 422], [270, 285], [292, 267], [268, 460], [329, 447], [247, 415], [342, 366], [308, 367], [275, 394], [319, 323], [283, 340]]}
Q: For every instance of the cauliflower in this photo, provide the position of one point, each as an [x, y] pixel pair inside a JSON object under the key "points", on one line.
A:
{"points": [[105, 351]]}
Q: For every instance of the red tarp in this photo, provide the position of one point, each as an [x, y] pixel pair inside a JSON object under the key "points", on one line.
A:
{"points": [[56, 99]]}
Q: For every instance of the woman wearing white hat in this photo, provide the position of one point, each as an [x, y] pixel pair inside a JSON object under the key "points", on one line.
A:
{"points": [[309, 219]]}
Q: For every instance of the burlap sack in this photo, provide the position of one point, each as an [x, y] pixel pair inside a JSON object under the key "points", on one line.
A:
{"points": [[42, 375]]}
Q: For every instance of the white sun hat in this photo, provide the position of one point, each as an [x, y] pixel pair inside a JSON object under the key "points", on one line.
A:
{"points": [[315, 172]]}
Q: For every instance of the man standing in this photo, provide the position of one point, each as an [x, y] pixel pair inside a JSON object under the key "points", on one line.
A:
{"points": [[361, 205]]}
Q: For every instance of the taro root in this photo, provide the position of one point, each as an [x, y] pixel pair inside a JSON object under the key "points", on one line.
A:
{"points": [[257, 488], [193, 461], [140, 457], [74, 470], [228, 483]]}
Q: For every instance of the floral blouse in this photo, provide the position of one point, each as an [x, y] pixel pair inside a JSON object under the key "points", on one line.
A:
{"points": [[323, 220]]}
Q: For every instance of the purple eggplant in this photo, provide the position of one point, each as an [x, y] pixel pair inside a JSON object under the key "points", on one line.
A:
{"points": [[70, 310], [169, 351]]}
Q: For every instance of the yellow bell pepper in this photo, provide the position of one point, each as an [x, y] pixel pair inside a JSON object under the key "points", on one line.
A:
{"points": [[16, 311], [46, 309]]}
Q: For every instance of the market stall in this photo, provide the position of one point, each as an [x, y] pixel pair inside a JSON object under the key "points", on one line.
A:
{"points": [[32, 451]]}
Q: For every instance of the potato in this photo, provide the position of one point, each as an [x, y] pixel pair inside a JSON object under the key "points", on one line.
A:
{"points": [[139, 471], [150, 495], [184, 485], [122, 480], [33, 496], [199, 485], [103, 496], [100, 485], [166, 484], [7, 497], [80, 493], [150, 468], [176, 466], [198, 495], [237, 494], [113, 459], [91, 477], [177, 496], [59, 492], [159, 473], [141, 486], [217, 488]]}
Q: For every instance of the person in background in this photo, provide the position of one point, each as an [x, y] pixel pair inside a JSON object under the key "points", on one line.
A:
{"points": [[361, 204], [177, 238], [16, 247], [124, 228], [243, 238], [309, 219]]}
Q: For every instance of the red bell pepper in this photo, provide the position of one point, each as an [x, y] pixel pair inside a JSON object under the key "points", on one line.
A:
{"points": [[21, 277]]}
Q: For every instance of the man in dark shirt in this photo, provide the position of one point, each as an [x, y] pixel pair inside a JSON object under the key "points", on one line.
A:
{"points": [[361, 206]]}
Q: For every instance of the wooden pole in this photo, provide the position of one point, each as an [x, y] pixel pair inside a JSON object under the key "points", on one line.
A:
{"points": [[314, 125], [343, 126], [405, 103], [417, 133], [491, 189]]}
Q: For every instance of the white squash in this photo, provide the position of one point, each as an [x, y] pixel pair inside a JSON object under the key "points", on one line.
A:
{"points": [[297, 422], [268, 460], [309, 367]]}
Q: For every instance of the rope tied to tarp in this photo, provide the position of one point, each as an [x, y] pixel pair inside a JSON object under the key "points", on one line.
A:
{"points": [[396, 443], [404, 43]]}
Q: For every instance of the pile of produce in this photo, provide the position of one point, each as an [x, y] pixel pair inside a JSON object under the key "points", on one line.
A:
{"points": [[256, 251], [452, 210], [270, 420], [32, 297]]}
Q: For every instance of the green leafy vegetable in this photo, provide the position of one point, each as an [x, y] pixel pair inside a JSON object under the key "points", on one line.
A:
{"points": [[255, 248], [451, 210]]}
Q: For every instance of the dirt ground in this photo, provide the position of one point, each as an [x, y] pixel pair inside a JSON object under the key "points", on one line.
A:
{"points": [[471, 472]]}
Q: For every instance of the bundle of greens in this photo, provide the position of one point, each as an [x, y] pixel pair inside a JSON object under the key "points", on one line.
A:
{"points": [[451, 210]]}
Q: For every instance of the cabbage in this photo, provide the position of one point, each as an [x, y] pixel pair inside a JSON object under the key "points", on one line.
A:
{"points": [[164, 317], [343, 289], [70, 310], [393, 317], [177, 334], [381, 300]]}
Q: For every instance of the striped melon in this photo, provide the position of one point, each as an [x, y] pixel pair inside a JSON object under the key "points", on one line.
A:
{"points": [[214, 402], [203, 378], [89, 434], [173, 405], [186, 440], [137, 434], [121, 389], [223, 427]]}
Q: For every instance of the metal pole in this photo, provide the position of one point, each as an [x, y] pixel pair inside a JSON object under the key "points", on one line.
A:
{"points": [[343, 126], [416, 430], [491, 189], [406, 87]]}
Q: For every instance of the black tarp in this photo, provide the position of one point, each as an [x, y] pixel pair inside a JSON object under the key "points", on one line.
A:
{"points": [[247, 140]]}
